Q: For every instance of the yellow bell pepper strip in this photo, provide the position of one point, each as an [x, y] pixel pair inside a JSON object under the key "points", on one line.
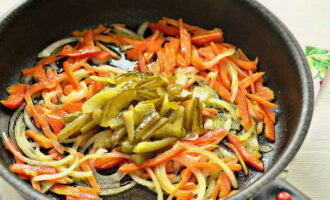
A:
{"points": [[246, 155]]}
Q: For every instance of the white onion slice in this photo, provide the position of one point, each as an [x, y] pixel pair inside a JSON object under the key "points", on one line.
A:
{"points": [[51, 48]]}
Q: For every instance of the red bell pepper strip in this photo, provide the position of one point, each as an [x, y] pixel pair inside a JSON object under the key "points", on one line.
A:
{"points": [[161, 158], [243, 110], [207, 37], [32, 171], [55, 154], [162, 27], [75, 192], [67, 65], [13, 101], [98, 30], [221, 90], [175, 23], [85, 48], [247, 156], [269, 129], [92, 181], [40, 118], [39, 138], [16, 97], [72, 107], [108, 162], [55, 122], [209, 137], [185, 40], [150, 44], [62, 180], [247, 65], [44, 62], [19, 88], [108, 39], [70, 52]]}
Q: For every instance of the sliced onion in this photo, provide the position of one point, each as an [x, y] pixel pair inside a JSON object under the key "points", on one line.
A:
{"points": [[201, 187], [142, 181], [52, 47], [47, 96], [109, 68], [210, 189], [13, 120], [227, 125], [126, 47], [58, 175], [21, 139], [118, 190], [223, 105], [234, 81], [126, 32], [265, 148], [142, 29], [28, 121], [157, 185], [160, 172], [75, 95], [215, 60], [214, 158], [35, 162]]}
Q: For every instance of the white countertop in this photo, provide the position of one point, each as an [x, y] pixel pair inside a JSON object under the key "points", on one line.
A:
{"points": [[310, 170]]}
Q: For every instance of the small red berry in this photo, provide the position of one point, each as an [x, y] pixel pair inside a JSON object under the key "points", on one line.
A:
{"points": [[283, 196]]}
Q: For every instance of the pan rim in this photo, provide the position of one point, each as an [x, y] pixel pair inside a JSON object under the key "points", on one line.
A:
{"points": [[301, 130]]}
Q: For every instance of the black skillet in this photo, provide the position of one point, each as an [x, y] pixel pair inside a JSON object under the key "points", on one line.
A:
{"points": [[36, 23]]}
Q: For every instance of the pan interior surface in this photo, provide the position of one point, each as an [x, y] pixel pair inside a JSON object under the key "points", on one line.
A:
{"points": [[36, 24]]}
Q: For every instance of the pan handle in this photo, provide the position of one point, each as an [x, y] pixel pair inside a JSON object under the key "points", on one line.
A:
{"points": [[271, 191]]}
